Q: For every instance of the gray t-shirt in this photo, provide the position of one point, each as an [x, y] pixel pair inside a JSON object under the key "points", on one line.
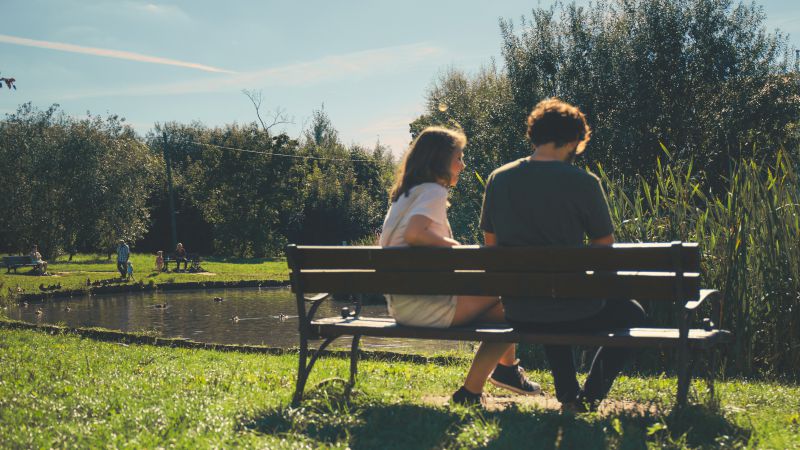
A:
{"points": [[545, 203]]}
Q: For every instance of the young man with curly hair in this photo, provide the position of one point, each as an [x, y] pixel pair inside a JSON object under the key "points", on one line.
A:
{"points": [[544, 200]]}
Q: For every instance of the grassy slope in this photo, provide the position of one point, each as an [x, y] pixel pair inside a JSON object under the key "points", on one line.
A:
{"points": [[58, 391], [73, 274]]}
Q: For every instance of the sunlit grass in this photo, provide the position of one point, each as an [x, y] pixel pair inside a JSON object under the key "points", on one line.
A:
{"points": [[65, 391], [73, 274]]}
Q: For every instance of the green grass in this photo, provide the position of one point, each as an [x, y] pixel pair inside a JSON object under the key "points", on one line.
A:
{"points": [[65, 391], [73, 274]]}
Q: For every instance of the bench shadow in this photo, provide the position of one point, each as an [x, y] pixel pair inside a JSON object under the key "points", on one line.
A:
{"points": [[235, 260], [366, 423], [86, 262]]}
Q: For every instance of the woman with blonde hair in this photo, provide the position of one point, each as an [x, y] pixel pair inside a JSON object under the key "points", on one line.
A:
{"points": [[418, 217]]}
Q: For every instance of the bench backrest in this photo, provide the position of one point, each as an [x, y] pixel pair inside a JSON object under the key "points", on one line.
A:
{"points": [[24, 259], [664, 271]]}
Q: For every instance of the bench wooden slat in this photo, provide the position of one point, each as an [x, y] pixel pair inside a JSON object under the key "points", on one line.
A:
{"points": [[643, 286], [640, 257], [634, 337], [15, 261]]}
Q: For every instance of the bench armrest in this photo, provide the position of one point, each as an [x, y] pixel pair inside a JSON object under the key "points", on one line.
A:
{"points": [[317, 297], [705, 294], [315, 302], [714, 297]]}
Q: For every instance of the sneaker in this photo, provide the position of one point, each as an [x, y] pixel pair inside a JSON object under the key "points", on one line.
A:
{"points": [[466, 398], [513, 378]]}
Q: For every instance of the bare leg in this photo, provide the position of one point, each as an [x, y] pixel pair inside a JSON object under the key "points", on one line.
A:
{"points": [[489, 309]]}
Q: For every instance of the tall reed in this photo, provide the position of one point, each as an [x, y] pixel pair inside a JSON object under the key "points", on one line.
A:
{"points": [[750, 240]]}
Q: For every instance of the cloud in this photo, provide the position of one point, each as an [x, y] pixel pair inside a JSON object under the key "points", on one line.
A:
{"points": [[333, 67], [171, 12], [107, 53]]}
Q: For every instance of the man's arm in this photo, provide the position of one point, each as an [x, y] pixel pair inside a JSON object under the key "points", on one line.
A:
{"points": [[605, 240]]}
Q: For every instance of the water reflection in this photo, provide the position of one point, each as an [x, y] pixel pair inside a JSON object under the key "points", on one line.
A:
{"points": [[244, 316]]}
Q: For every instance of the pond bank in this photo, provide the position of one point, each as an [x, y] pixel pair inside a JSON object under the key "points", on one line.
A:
{"points": [[149, 287], [105, 335]]}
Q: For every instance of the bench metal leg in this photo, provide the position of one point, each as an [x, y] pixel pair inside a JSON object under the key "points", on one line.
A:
{"points": [[304, 369], [353, 362], [684, 376], [712, 372], [302, 372]]}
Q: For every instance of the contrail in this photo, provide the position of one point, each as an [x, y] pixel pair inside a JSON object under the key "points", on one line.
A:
{"points": [[119, 54]]}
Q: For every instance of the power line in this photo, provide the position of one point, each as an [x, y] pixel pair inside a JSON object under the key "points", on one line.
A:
{"points": [[236, 149], [284, 155]]}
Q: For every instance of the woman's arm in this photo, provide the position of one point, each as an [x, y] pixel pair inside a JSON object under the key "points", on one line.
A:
{"points": [[419, 233]]}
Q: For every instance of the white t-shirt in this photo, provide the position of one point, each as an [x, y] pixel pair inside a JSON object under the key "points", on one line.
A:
{"points": [[429, 200], [426, 199]]}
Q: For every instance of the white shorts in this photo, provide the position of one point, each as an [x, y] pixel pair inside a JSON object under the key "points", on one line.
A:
{"points": [[430, 311]]}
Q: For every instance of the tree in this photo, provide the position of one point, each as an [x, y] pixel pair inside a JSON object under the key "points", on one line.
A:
{"points": [[9, 82], [346, 190], [701, 76], [279, 117], [230, 176], [482, 107], [72, 184]]}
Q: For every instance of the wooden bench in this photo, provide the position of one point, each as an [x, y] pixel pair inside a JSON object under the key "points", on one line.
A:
{"points": [[14, 262], [192, 262], [646, 272]]}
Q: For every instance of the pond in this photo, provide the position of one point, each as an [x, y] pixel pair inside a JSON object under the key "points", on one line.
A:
{"points": [[246, 316]]}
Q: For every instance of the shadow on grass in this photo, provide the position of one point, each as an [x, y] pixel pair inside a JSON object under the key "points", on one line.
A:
{"points": [[84, 262], [234, 260], [326, 417]]}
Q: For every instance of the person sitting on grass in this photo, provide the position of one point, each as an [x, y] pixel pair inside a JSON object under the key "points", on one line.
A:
{"points": [[160, 261], [418, 217], [130, 271], [37, 258]]}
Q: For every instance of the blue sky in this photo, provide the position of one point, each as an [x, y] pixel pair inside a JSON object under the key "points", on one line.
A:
{"points": [[369, 62]]}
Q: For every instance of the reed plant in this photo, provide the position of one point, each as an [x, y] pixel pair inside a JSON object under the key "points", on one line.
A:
{"points": [[749, 239]]}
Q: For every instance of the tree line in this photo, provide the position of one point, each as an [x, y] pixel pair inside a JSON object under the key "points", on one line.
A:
{"points": [[703, 79], [78, 185]]}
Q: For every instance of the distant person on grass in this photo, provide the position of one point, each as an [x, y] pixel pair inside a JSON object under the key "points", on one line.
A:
{"points": [[130, 270], [180, 256], [37, 258], [418, 217], [544, 200], [160, 261], [123, 254]]}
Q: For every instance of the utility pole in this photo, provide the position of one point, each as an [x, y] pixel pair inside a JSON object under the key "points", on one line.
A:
{"points": [[797, 61], [171, 194]]}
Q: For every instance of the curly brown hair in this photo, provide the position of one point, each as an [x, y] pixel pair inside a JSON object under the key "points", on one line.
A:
{"points": [[554, 120], [427, 159]]}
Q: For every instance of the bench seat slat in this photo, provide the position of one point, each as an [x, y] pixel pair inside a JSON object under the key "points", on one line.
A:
{"points": [[640, 257], [561, 285], [634, 337]]}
